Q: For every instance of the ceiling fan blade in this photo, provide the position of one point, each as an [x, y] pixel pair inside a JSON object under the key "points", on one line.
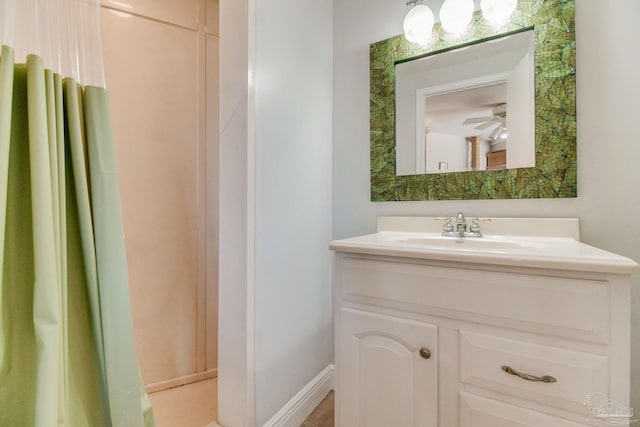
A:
{"points": [[488, 124], [495, 133], [477, 120]]}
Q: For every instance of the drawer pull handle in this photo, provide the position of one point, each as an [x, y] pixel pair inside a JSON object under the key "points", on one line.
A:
{"points": [[425, 353], [544, 379]]}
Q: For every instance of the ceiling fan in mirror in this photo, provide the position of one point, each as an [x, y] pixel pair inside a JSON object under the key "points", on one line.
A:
{"points": [[497, 119]]}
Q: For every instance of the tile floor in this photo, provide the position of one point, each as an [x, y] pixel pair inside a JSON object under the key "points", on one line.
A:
{"points": [[191, 405], [196, 405]]}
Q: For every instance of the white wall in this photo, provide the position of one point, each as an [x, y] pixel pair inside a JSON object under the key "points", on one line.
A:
{"points": [[446, 148], [608, 202], [275, 217], [293, 82], [235, 392], [521, 92]]}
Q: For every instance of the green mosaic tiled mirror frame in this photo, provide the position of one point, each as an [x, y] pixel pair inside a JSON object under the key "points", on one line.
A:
{"points": [[554, 176]]}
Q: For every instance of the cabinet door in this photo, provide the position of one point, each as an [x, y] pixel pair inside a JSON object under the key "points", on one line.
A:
{"points": [[384, 379]]}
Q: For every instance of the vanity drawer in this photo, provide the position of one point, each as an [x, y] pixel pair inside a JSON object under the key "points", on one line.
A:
{"points": [[477, 411], [568, 307], [577, 374]]}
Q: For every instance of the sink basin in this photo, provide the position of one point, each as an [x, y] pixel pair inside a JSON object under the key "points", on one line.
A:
{"points": [[522, 242], [473, 243]]}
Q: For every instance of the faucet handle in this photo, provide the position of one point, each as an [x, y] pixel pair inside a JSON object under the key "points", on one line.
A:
{"points": [[475, 225], [448, 226]]}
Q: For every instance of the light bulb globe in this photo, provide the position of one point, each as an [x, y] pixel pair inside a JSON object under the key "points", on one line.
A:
{"points": [[418, 24], [456, 15], [498, 12]]}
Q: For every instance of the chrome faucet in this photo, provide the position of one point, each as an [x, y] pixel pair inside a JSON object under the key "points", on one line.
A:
{"points": [[460, 229], [461, 224]]}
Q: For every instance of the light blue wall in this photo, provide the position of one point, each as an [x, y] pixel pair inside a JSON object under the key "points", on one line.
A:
{"points": [[275, 204], [293, 82]]}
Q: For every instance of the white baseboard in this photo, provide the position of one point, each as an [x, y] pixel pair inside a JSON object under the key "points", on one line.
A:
{"points": [[305, 401]]}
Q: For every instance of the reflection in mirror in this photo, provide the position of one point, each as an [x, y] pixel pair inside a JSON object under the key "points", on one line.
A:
{"points": [[465, 129], [471, 108]]}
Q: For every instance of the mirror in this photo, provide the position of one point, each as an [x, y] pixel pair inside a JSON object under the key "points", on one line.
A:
{"points": [[544, 169], [467, 109]]}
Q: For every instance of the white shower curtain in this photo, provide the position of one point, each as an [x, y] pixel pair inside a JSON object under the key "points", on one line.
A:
{"points": [[66, 34], [67, 356]]}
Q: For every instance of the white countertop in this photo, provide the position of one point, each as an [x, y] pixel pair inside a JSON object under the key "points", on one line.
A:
{"points": [[560, 253]]}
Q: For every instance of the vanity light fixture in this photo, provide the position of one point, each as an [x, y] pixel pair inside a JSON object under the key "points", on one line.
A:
{"points": [[498, 12], [499, 134], [456, 15], [418, 23], [504, 134]]}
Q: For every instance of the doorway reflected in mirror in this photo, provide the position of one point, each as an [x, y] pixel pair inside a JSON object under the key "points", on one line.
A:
{"points": [[452, 107]]}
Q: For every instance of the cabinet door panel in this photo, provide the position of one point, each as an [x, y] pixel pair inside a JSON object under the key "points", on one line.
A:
{"points": [[383, 379]]}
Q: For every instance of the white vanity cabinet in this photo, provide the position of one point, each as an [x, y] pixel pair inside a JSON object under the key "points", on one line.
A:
{"points": [[423, 340]]}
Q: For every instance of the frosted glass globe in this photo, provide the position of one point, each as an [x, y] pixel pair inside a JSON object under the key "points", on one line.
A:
{"points": [[498, 12], [455, 15], [418, 24]]}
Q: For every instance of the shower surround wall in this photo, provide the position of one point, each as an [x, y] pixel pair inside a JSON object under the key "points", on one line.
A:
{"points": [[161, 60]]}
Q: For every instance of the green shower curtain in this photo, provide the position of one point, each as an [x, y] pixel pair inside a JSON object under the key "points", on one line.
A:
{"points": [[67, 356]]}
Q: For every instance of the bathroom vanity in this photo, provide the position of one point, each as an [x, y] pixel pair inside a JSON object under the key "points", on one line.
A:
{"points": [[525, 326]]}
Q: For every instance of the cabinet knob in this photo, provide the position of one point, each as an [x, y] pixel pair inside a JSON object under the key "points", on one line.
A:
{"points": [[425, 353]]}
